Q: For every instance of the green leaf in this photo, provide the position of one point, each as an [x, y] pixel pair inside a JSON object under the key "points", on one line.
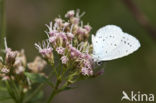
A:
{"points": [[33, 93], [38, 78], [37, 97]]}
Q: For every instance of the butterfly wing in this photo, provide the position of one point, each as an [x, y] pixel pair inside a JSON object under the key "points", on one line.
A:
{"points": [[117, 44], [128, 44], [107, 30], [105, 41]]}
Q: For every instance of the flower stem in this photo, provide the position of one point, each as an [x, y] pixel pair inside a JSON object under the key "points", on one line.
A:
{"points": [[54, 92], [51, 96], [2, 23]]}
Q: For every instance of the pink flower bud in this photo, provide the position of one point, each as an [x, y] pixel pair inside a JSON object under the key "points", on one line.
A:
{"points": [[75, 20], [80, 30], [52, 39], [74, 51], [58, 21], [72, 54], [70, 35], [87, 63], [86, 71], [66, 24], [70, 14], [45, 50], [10, 56], [64, 59], [60, 50], [88, 28], [86, 56], [5, 70], [62, 35], [53, 33]]}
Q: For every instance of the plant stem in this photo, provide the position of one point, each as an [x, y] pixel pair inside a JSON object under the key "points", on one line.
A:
{"points": [[54, 92], [51, 96], [2, 23], [11, 92]]}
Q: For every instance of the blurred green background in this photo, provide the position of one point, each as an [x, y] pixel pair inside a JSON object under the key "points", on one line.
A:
{"points": [[136, 72]]}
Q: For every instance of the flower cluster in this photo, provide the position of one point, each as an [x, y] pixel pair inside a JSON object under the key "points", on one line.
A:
{"points": [[69, 39], [13, 66], [37, 65], [66, 50]]}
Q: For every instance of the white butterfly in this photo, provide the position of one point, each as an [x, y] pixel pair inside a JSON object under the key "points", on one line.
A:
{"points": [[111, 43]]}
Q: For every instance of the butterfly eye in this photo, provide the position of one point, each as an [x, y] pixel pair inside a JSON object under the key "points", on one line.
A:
{"points": [[99, 63]]}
